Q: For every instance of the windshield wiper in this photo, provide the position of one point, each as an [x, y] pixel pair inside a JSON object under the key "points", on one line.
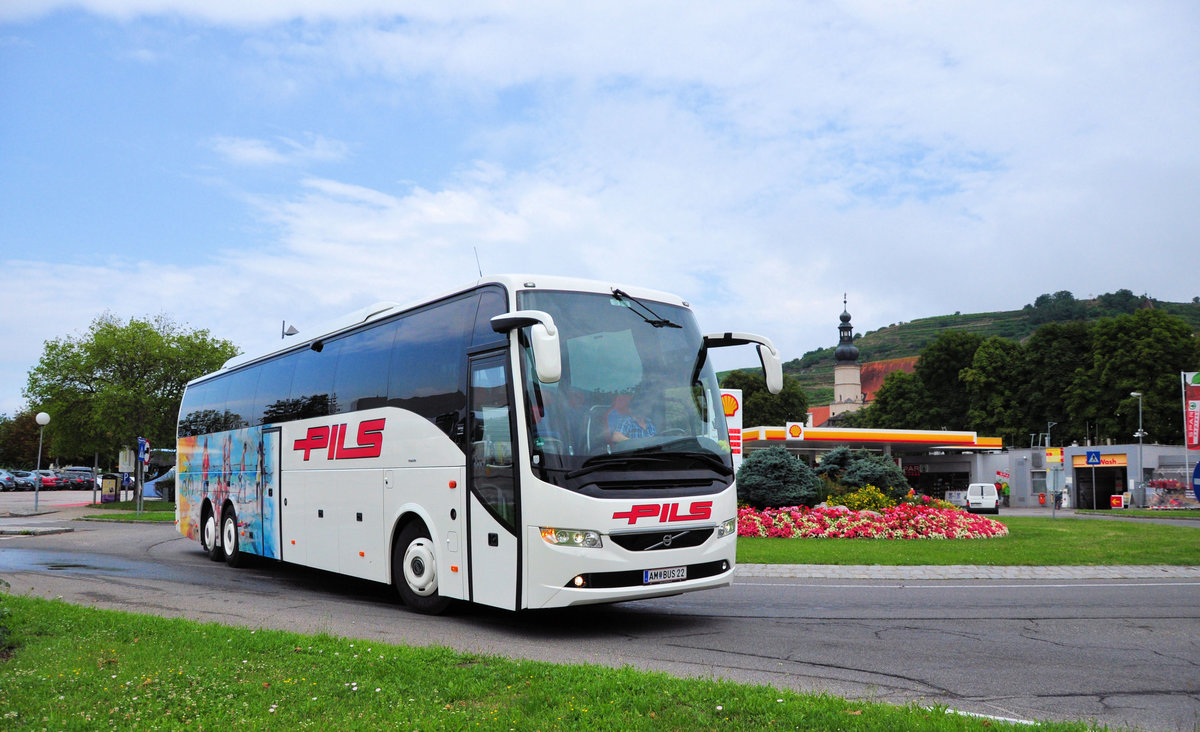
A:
{"points": [[653, 454], [653, 319], [607, 462]]}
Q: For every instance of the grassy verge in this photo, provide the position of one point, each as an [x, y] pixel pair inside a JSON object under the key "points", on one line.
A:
{"points": [[77, 668], [148, 506], [1179, 514], [1032, 541], [149, 517], [154, 512]]}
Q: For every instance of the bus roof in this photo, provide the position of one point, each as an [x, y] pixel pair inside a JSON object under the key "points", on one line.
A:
{"points": [[513, 283]]}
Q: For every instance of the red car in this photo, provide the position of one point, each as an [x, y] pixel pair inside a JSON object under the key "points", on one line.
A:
{"points": [[49, 478]]}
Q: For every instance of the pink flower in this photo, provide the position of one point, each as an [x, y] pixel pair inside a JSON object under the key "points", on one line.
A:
{"points": [[906, 521]]}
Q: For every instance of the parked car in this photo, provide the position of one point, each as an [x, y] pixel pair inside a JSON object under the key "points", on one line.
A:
{"points": [[24, 479], [7, 481], [79, 478], [983, 498], [50, 479]]}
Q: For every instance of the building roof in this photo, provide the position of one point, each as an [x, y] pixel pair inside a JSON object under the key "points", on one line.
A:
{"points": [[874, 372]]}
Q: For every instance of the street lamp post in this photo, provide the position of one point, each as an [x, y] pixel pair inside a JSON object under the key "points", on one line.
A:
{"points": [[1050, 472], [42, 419], [1139, 490]]}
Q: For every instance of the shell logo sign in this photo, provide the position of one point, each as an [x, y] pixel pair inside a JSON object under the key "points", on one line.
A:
{"points": [[730, 404], [795, 431]]}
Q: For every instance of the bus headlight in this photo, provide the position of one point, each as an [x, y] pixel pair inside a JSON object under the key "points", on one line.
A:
{"points": [[572, 537], [727, 528]]}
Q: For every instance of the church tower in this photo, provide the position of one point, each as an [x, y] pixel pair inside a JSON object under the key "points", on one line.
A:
{"points": [[847, 372]]}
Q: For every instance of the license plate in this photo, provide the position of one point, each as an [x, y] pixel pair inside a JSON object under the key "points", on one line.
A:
{"points": [[667, 574]]}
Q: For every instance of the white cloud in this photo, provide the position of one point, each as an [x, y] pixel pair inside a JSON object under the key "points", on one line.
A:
{"points": [[280, 151]]}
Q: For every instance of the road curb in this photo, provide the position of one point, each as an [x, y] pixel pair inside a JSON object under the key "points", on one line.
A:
{"points": [[962, 571], [34, 530]]}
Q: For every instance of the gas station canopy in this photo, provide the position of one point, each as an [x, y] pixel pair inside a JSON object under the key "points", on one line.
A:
{"points": [[798, 436]]}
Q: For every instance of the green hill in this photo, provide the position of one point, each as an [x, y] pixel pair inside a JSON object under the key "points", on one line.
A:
{"points": [[814, 369]]}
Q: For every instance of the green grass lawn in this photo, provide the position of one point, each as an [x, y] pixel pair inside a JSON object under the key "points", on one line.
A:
{"points": [[67, 667], [151, 506], [1032, 540], [1178, 514], [153, 512]]}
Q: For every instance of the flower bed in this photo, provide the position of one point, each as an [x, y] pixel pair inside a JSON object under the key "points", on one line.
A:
{"points": [[899, 522]]}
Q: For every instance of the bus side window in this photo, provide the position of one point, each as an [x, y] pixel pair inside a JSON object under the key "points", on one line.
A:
{"points": [[362, 368], [491, 302], [312, 385], [428, 365], [239, 402], [203, 408], [271, 402]]}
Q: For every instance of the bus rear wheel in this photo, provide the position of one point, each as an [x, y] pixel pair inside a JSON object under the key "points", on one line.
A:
{"points": [[414, 570], [208, 536], [229, 539]]}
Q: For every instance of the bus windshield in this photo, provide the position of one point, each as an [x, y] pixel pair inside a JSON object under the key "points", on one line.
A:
{"points": [[638, 404]]}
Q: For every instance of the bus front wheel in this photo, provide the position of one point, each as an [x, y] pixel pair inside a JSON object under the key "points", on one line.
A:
{"points": [[208, 536], [414, 570]]}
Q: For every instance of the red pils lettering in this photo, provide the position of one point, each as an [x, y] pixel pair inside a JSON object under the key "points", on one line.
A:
{"points": [[638, 512], [666, 512], [370, 441], [317, 439], [332, 439]]}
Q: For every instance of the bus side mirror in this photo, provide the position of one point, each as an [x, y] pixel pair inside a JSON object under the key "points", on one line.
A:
{"points": [[772, 366], [543, 336]]}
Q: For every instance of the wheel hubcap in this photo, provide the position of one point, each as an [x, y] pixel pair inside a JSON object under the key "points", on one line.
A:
{"points": [[229, 536], [420, 571]]}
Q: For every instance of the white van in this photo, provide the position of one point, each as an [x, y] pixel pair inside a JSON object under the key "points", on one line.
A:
{"points": [[983, 498]]}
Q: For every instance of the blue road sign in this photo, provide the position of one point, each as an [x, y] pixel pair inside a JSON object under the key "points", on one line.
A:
{"points": [[1196, 481], [1093, 457]]}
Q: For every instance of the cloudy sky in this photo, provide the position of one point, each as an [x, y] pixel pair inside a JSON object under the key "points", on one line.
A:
{"points": [[233, 164]]}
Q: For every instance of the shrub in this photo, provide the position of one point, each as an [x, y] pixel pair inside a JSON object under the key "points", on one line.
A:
{"points": [[772, 478], [863, 499], [913, 499], [860, 468]]}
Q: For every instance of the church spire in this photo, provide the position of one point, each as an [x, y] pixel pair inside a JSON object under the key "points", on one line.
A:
{"points": [[846, 352]]}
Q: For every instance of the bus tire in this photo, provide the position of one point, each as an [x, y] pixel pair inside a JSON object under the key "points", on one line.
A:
{"points": [[229, 539], [208, 535], [414, 570]]}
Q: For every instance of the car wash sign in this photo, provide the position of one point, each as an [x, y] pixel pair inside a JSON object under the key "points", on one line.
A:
{"points": [[1191, 405]]}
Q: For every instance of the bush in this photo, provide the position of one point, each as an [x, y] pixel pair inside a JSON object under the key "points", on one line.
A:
{"points": [[863, 499], [913, 499], [860, 468], [772, 478]]}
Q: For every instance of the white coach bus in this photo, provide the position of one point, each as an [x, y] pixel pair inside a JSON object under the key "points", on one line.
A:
{"points": [[525, 442]]}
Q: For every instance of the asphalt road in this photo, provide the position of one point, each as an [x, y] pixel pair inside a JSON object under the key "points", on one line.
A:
{"points": [[1120, 653]]}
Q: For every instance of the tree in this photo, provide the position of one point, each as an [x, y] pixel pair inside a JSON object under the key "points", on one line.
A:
{"points": [[1053, 359], [939, 370], [772, 478], [992, 382], [1061, 306], [118, 382], [1121, 302], [19, 442], [764, 408], [900, 403], [1143, 352]]}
